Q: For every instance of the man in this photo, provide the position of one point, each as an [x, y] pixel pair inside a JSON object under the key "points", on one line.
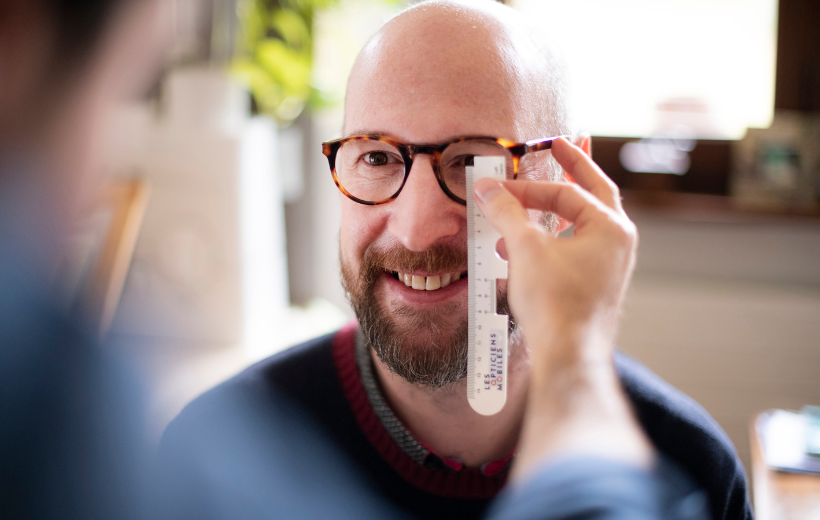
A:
{"points": [[70, 437], [390, 390]]}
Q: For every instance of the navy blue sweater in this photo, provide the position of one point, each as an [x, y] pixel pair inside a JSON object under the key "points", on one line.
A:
{"points": [[319, 382]]}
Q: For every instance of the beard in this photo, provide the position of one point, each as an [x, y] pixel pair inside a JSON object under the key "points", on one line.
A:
{"points": [[424, 346]]}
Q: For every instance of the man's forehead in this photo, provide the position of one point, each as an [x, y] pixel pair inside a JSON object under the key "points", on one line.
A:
{"points": [[462, 82], [430, 119]]}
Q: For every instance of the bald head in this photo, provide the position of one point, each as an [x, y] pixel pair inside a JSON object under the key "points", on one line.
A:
{"points": [[479, 63]]}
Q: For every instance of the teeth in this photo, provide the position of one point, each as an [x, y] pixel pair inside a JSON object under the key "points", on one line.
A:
{"points": [[428, 283]]}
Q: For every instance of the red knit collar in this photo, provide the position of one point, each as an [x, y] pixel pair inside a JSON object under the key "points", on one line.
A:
{"points": [[466, 483]]}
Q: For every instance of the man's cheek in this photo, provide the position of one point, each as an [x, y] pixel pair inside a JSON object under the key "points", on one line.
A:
{"points": [[360, 227], [351, 243], [346, 248]]}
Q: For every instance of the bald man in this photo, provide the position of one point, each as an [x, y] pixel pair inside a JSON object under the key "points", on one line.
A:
{"points": [[441, 83]]}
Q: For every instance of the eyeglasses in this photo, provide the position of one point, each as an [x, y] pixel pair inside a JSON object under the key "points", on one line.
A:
{"points": [[373, 169]]}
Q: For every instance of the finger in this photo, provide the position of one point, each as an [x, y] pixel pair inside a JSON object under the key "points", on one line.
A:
{"points": [[582, 170], [523, 239], [503, 210], [564, 199]]}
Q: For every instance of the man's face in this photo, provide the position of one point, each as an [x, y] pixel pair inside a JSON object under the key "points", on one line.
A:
{"points": [[419, 334]]}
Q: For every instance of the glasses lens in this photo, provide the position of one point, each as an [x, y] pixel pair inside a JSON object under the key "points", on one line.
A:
{"points": [[458, 156], [369, 170]]}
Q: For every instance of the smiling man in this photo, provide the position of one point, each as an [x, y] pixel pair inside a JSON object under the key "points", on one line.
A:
{"points": [[439, 84]]}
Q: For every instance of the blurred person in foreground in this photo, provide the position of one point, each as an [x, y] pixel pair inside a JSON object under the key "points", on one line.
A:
{"points": [[72, 430], [390, 389], [71, 442]]}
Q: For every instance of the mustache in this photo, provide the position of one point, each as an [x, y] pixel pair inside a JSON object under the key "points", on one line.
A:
{"points": [[439, 257]]}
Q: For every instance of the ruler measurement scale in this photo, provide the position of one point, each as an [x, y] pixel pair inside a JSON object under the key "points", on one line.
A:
{"points": [[487, 331]]}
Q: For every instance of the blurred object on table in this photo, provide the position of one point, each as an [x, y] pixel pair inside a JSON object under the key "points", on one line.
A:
{"points": [[779, 167], [812, 416], [784, 440], [786, 480]]}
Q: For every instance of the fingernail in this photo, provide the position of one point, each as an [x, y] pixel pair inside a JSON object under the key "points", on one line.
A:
{"points": [[486, 189]]}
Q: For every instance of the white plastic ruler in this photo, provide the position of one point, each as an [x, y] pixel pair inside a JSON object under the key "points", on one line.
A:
{"points": [[487, 331]]}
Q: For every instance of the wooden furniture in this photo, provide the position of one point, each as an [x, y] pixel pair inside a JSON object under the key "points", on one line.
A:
{"points": [[126, 199], [779, 495]]}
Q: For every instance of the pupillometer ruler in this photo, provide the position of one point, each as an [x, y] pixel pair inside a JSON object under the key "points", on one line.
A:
{"points": [[487, 331]]}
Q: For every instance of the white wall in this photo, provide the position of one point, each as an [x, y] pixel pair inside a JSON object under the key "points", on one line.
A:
{"points": [[728, 310]]}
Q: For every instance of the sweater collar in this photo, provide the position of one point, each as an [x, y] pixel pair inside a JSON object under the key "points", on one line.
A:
{"points": [[409, 456]]}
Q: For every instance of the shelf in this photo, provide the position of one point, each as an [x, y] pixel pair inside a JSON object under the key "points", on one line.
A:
{"points": [[709, 208]]}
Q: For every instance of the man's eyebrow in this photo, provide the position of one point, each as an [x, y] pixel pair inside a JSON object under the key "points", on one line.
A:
{"points": [[372, 133], [369, 133]]}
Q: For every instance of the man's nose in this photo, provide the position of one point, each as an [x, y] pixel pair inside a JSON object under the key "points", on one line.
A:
{"points": [[422, 214]]}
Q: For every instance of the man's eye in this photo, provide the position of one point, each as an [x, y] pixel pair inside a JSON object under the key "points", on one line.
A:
{"points": [[376, 158], [461, 161]]}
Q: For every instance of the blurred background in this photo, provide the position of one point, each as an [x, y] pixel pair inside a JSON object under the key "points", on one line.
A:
{"points": [[220, 234]]}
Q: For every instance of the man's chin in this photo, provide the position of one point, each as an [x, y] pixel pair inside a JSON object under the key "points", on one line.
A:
{"points": [[423, 344], [430, 323], [434, 342], [421, 347]]}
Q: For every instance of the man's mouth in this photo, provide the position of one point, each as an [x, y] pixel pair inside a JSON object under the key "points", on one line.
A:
{"points": [[428, 283]]}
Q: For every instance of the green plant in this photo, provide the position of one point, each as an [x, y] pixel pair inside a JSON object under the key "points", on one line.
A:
{"points": [[275, 54]]}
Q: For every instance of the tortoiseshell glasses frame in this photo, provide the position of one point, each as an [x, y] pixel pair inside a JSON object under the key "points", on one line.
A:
{"points": [[407, 151]]}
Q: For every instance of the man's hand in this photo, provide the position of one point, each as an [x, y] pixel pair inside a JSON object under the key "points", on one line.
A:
{"points": [[566, 294]]}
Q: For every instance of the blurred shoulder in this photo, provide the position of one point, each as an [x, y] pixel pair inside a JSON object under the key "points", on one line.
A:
{"points": [[658, 400], [685, 432], [266, 384]]}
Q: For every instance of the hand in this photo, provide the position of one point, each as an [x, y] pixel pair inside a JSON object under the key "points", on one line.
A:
{"points": [[566, 294], [565, 284]]}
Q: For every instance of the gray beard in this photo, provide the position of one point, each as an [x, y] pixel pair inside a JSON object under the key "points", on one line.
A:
{"points": [[423, 347]]}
